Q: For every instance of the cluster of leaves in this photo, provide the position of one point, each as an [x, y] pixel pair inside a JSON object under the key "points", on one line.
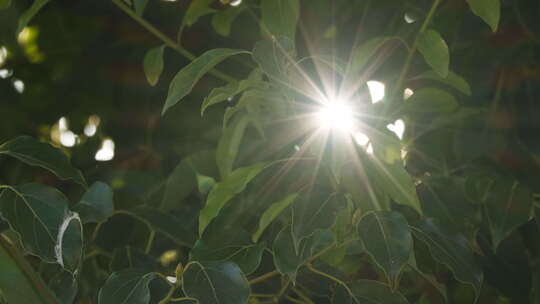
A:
{"points": [[309, 219]]}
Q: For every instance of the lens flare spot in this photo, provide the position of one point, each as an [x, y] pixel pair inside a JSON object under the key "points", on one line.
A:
{"points": [[106, 152], [407, 93], [398, 127]]}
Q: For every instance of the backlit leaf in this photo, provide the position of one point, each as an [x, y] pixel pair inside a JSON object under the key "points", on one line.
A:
{"points": [[271, 213], [229, 143], [5, 4], [223, 191], [280, 17], [153, 64], [387, 238], [452, 79], [215, 283], [222, 20], [488, 10], [435, 51], [186, 78], [275, 56], [35, 153], [197, 9]]}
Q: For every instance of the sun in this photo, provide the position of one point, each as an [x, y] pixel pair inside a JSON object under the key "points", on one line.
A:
{"points": [[336, 115]]}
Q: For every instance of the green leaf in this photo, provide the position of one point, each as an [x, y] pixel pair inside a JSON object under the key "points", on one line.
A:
{"points": [[70, 243], [341, 296], [223, 191], [233, 88], [215, 283], [395, 181], [180, 183], [153, 64], [222, 20], [27, 15], [314, 211], [453, 80], [280, 17], [288, 260], [488, 10], [435, 51], [96, 205], [362, 54], [229, 144], [140, 6], [452, 250], [388, 240], [508, 205], [274, 57], [5, 4], [431, 100], [132, 257], [196, 10], [226, 240], [164, 223], [18, 282], [368, 291], [64, 285], [126, 286], [35, 153], [442, 199], [367, 194], [186, 78], [271, 213], [36, 212]]}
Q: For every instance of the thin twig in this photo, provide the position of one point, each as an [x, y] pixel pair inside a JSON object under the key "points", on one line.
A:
{"points": [[264, 277]]}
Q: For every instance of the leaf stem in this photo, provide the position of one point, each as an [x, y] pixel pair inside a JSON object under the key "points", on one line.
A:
{"points": [[150, 241], [182, 299], [264, 277], [169, 42], [413, 48], [303, 296]]}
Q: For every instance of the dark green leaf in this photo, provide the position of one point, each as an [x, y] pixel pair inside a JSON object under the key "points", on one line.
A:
{"points": [[452, 250], [387, 238], [229, 143], [126, 286], [222, 20], [5, 4], [153, 64], [180, 184], [435, 51], [271, 213], [366, 193], [341, 296], [96, 205], [215, 283], [431, 100], [453, 80], [35, 153], [488, 10], [65, 287], [288, 260], [314, 211], [132, 257], [27, 15], [70, 243], [508, 205], [36, 212], [196, 10], [186, 78], [368, 291], [166, 224], [275, 56], [18, 282], [223, 191], [280, 17]]}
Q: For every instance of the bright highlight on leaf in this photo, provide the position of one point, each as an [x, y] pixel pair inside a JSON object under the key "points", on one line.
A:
{"points": [[376, 90]]}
